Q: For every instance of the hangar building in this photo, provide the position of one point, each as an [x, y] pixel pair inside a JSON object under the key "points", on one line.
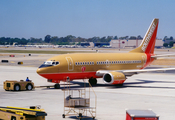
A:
{"points": [[132, 43]]}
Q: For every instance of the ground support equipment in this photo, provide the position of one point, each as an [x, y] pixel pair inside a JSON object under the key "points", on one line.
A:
{"points": [[18, 85], [141, 115], [77, 102], [17, 113]]}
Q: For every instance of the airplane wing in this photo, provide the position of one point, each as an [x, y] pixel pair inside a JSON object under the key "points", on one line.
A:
{"points": [[166, 55], [131, 72]]}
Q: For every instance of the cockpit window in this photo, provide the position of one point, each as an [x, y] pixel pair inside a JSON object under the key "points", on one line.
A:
{"points": [[49, 63]]}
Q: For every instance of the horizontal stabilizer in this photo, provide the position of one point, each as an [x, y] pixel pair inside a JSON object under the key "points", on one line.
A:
{"points": [[166, 55]]}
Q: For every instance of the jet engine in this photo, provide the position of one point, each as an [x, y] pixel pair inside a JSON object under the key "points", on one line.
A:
{"points": [[114, 78]]}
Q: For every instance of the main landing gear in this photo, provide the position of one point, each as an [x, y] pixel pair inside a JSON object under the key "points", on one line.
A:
{"points": [[93, 81], [57, 86]]}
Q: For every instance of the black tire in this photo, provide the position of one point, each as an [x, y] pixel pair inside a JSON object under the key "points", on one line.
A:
{"points": [[13, 118], [17, 87], [80, 115], [93, 81], [29, 86], [63, 115], [20, 63], [57, 86]]}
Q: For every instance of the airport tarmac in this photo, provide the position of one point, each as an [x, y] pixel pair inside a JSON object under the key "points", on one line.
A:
{"points": [[143, 91], [154, 91]]}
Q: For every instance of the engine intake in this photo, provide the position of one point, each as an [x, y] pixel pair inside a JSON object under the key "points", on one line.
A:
{"points": [[114, 78]]}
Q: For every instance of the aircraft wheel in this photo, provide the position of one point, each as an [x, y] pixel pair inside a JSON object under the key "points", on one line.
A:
{"points": [[63, 115], [93, 81], [17, 87], [13, 118], [80, 114], [29, 87], [57, 86]]}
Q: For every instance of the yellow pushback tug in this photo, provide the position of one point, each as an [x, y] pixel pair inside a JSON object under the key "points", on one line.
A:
{"points": [[18, 85], [17, 113]]}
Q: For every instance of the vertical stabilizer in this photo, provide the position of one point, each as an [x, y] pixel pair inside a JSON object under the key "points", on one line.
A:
{"points": [[148, 43]]}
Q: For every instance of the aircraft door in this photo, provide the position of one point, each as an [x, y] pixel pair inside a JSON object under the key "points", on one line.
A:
{"points": [[70, 63]]}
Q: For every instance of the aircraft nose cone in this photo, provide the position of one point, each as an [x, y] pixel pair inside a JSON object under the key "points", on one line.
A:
{"points": [[39, 71]]}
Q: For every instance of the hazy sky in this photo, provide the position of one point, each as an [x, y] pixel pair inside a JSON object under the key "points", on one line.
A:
{"points": [[85, 18]]}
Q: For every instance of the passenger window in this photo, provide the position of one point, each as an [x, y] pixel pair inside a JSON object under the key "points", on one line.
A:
{"points": [[53, 63], [57, 63]]}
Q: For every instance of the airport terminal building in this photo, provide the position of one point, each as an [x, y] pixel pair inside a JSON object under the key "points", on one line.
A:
{"points": [[121, 43]]}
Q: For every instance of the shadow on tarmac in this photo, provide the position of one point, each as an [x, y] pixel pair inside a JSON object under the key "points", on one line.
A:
{"points": [[77, 85], [74, 117], [125, 85]]}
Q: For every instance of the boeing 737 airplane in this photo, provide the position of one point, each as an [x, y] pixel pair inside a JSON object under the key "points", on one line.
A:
{"points": [[112, 67]]}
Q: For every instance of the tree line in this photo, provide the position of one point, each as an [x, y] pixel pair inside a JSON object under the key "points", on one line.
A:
{"points": [[68, 40], [169, 42]]}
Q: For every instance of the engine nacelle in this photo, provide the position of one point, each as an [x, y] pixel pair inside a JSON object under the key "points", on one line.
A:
{"points": [[114, 78]]}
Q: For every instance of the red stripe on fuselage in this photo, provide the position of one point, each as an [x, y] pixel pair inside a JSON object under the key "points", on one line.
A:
{"points": [[72, 76]]}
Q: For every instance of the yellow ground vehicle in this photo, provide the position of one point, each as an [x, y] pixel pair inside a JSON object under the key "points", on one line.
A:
{"points": [[18, 85], [17, 113]]}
